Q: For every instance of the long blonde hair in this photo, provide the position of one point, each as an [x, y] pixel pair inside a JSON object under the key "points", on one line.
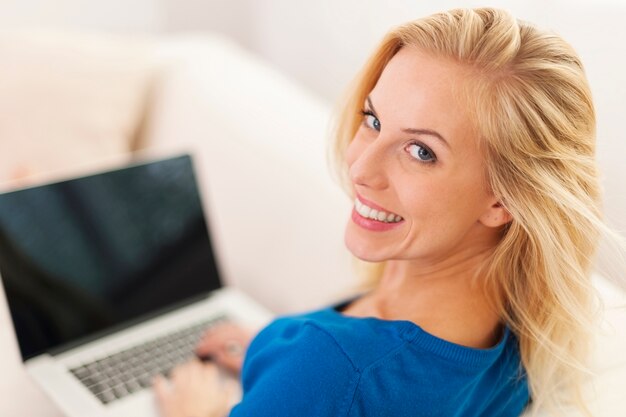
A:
{"points": [[532, 109]]}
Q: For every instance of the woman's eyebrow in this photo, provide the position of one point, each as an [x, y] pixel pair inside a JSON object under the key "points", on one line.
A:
{"points": [[427, 132], [414, 131]]}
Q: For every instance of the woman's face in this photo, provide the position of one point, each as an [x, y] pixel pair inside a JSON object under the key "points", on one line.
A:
{"points": [[417, 170]]}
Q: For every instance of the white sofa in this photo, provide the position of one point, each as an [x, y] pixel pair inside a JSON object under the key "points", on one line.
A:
{"points": [[260, 141]]}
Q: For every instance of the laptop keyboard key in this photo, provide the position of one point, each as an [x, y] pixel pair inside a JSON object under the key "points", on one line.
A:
{"points": [[106, 396]]}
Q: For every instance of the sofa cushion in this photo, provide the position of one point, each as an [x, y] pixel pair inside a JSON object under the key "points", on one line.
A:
{"points": [[67, 99]]}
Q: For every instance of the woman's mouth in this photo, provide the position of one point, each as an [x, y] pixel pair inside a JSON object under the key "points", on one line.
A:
{"points": [[375, 214]]}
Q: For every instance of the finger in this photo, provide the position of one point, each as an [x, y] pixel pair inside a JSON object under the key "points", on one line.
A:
{"points": [[209, 343], [209, 370], [206, 351], [230, 355], [176, 372], [181, 372], [211, 379], [194, 368], [232, 390], [225, 344], [229, 362], [230, 346], [231, 393], [162, 389], [187, 374], [216, 335]]}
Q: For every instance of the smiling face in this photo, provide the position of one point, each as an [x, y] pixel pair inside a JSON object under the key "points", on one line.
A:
{"points": [[417, 170]]}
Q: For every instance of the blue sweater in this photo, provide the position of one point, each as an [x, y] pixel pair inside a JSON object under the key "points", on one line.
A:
{"points": [[327, 364]]}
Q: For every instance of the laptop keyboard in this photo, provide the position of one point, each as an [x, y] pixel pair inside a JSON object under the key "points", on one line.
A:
{"points": [[118, 375]]}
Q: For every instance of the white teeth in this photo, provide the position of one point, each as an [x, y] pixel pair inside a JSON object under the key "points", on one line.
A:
{"points": [[374, 214], [362, 209]]}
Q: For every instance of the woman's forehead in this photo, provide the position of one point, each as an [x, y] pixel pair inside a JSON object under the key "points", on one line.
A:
{"points": [[414, 72], [418, 90]]}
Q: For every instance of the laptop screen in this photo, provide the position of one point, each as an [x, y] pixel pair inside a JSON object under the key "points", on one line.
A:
{"points": [[82, 256]]}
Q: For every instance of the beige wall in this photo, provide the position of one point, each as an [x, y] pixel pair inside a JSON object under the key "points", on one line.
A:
{"points": [[109, 15]]}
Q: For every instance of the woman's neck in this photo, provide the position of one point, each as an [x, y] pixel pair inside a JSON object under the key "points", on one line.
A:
{"points": [[446, 299]]}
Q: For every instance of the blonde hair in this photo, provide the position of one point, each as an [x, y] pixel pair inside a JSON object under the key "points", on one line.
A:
{"points": [[533, 112]]}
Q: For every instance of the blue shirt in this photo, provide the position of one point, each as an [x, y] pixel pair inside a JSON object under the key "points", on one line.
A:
{"points": [[325, 363]]}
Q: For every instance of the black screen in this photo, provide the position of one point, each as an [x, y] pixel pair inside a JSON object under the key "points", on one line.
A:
{"points": [[82, 256]]}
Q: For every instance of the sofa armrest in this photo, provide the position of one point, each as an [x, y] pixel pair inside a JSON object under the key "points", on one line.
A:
{"points": [[260, 140]]}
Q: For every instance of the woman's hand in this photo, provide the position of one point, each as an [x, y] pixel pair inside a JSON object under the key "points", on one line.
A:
{"points": [[195, 389], [226, 345]]}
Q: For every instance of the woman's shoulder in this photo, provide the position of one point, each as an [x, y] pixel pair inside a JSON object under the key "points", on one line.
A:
{"points": [[360, 341], [352, 356], [367, 340]]}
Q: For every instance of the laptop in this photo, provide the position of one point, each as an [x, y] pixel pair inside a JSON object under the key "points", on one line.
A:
{"points": [[110, 279]]}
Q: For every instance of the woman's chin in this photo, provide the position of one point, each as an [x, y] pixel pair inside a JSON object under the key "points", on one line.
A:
{"points": [[364, 250]]}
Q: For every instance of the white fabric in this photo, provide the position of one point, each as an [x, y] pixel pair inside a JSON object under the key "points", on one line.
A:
{"points": [[68, 99], [261, 142]]}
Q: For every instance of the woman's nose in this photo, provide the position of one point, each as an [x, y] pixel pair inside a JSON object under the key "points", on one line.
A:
{"points": [[367, 168]]}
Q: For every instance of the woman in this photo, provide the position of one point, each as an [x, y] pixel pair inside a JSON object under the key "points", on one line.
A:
{"points": [[468, 146]]}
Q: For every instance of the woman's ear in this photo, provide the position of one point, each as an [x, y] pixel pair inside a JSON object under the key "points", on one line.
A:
{"points": [[496, 215]]}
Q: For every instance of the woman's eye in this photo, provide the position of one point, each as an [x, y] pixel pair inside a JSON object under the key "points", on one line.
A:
{"points": [[421, 153], [371, 121]]}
